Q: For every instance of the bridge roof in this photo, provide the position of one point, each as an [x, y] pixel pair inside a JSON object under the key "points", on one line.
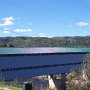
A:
{"points": [[43, 50]]}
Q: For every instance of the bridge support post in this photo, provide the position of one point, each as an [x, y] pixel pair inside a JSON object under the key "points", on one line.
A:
{"points": [[52, 85], [63, 82], [57, 84]]}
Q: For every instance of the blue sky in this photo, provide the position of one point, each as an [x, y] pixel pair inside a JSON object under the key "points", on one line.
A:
{"points": [[44, 18]]}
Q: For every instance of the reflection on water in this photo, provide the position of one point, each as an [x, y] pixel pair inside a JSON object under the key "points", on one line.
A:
{"points": [[41, 50]]}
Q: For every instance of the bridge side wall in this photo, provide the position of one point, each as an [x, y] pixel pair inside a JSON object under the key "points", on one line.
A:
{"points": [[19, 67]]}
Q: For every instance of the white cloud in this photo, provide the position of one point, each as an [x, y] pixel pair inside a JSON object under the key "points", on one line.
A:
{"points": [[6, 30], [23, 30], [7, 21], [82, 24], [42, 35]]}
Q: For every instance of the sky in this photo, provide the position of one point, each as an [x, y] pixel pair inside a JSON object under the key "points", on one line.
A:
{"points": [[44, 18]]}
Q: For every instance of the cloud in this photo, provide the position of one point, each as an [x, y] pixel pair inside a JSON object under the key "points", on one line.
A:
{"points": [[42, 35], [7, 21], [6, 30], [23, 30], [81, 24]]}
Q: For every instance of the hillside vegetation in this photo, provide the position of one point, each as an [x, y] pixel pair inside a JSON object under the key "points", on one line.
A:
{"points": [[45, 42]]}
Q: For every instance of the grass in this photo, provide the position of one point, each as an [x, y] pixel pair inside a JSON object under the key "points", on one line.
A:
{"points": [[2, 85], [15, 88], [11, 88]]}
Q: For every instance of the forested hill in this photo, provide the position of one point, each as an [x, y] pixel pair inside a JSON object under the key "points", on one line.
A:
{"points": [[45, 42]]}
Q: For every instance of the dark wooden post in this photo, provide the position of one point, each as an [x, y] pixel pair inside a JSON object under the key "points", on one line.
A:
{"points": [[63, 82]]}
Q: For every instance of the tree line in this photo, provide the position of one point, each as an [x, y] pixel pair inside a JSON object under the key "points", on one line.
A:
{"points": [[72, 42]]}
